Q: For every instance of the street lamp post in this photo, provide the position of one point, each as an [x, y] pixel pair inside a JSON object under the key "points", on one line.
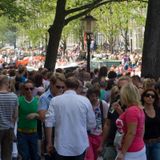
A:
{"points": [[88, 24], [131, 44], [88, 38]]}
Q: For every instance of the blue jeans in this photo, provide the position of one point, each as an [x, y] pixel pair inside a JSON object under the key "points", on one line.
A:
{"points": [[28, 146], [153, 151]]}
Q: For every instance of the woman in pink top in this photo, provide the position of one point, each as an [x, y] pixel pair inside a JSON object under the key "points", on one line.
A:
{"points": [[131, 124]]}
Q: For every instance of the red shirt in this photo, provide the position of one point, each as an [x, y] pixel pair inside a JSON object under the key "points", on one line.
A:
{"points": [[133, 114]]}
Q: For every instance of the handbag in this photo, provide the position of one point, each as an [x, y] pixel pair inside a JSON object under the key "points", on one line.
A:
{"points": [[119, 134], [99, 158], [118, 139]]}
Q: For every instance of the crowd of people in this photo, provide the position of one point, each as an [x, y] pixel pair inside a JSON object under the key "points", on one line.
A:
{"points": [[34, 58], [76, 115]]}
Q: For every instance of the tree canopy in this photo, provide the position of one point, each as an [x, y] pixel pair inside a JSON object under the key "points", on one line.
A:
{"points": [[38, 19]]}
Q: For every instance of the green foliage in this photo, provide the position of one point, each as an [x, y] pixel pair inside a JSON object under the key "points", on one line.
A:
{"points": [[13, 9], [7, 31], [75, 3], [34, 23], [73, 29], [117, 19], [33, 18]]}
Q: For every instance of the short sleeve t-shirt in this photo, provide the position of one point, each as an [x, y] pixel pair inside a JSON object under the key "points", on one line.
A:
{"points": [[133, 114], [98, 129]]}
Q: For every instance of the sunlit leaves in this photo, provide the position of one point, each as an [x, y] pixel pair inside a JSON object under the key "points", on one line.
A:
{"points": [[119, 18], [76, 3], [36, 16], [7, 31]]}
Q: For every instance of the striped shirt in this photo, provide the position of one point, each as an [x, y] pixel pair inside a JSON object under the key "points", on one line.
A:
{"points": [[8, 107]]}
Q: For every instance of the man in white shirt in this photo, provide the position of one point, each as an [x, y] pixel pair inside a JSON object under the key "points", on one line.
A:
{"points": [[71, 115]]}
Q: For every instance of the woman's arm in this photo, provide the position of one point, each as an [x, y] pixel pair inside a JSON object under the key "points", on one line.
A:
{"points": [[131, 131], [104, 135]]}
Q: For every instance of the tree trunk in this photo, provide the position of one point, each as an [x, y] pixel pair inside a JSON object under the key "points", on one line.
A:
{"points": [[55, 32], [151, 47]]}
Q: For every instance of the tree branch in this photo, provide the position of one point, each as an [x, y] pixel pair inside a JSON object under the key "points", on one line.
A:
{"points": [[77, 16], [96, 4], [142, 1], [90, 5]]}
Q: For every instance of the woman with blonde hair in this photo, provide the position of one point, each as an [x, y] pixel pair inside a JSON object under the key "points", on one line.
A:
{"points": [[131, 125]]}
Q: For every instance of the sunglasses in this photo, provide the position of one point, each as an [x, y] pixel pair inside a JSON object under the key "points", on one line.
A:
{"points": [[150, 95], [27, 89], [60, 87]]}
